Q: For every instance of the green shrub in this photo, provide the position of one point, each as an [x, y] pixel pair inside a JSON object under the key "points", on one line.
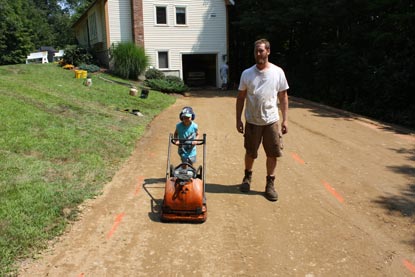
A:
{"points": [[129, 60], [153, 73], [89, 67], [77, 55], [166, 85], [174, 79]]}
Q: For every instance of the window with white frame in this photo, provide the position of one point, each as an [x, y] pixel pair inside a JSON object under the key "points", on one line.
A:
{"points": [[163, 59], [181, 16], [161, 15]]}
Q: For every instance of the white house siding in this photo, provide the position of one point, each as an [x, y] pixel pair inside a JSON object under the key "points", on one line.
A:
{"points": [[120, 21], [205, 32]]}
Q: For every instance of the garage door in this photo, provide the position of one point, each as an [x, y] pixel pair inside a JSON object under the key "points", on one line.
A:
{"points": [[199, 69]]}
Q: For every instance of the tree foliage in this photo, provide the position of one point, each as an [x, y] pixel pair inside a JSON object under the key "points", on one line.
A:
{"points": [[15, 40], [27, 25], [355, 55]]}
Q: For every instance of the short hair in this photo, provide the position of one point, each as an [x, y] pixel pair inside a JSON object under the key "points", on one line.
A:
{"points": [[263, 41]]}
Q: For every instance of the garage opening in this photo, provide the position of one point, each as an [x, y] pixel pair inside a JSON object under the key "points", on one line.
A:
{"points": [[199, 70]]}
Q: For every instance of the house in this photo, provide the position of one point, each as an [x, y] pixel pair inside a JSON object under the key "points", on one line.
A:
{"points": [[186, 38]]}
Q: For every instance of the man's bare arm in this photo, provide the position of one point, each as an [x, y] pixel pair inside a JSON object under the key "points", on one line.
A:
{"points": [[283, 99], [240, 102]]}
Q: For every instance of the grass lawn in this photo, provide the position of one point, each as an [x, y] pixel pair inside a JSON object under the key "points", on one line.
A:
{"points": [[60, 142]]}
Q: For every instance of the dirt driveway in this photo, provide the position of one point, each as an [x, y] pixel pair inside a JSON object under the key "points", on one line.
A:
{"points": [[346, 207]]}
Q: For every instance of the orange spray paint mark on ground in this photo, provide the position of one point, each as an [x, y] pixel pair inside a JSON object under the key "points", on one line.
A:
{"points": [[333, 191], [81, 275], [115, 225], [140, 183], [297, 158], [409, 266]]}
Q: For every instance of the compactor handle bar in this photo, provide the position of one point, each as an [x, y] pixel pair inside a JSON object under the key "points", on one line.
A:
{"points": [[186, 141]]}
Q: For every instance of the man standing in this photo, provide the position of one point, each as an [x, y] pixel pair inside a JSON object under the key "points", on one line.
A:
{"points": [[260, 87]]}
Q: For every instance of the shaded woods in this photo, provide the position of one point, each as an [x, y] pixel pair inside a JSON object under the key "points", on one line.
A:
{"points": [[354, 55]]}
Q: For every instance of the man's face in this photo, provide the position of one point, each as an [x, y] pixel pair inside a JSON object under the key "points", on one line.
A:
{"points": [[261, 54]]}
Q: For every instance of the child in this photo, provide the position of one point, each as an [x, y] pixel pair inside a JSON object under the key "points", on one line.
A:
{"points": [[187, 129]]}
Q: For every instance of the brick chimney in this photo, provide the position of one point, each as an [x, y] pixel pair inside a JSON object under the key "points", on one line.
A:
{"points": [[137, 18]]}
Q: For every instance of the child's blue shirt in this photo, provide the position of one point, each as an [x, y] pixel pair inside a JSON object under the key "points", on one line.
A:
{"points": [[186, 150]]}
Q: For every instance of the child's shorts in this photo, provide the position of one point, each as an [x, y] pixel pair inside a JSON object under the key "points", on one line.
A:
{"points": [[190, 160]]}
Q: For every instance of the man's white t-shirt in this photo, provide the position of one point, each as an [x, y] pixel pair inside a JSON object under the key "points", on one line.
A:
{"points": [[262, 93]]}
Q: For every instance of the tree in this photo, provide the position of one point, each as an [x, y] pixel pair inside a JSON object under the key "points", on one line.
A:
{"points": [[355, 55], [26, 25], [15, 40]]}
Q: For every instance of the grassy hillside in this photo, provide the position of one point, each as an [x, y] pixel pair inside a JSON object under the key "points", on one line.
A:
{"points": [[60, 142]]}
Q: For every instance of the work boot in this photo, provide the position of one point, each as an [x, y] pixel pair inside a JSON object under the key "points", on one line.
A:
{"points": [[246, 182], [270, 192]]}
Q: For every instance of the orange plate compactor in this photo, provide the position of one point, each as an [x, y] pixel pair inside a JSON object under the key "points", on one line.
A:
{"points": [[184, 196]]}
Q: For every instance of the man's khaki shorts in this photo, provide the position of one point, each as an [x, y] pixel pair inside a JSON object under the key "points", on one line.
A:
{"points": [[269, 135]]}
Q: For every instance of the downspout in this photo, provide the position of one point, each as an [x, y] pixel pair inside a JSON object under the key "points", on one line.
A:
{"points": [[87, 31], [107, 25], [107, 34]]}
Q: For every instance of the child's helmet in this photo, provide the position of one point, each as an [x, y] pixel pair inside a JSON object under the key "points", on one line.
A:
{"points": [[188, 112]]}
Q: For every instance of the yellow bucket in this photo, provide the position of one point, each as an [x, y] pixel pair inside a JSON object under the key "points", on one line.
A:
{"points": [[78, 74], [84, 74]]}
